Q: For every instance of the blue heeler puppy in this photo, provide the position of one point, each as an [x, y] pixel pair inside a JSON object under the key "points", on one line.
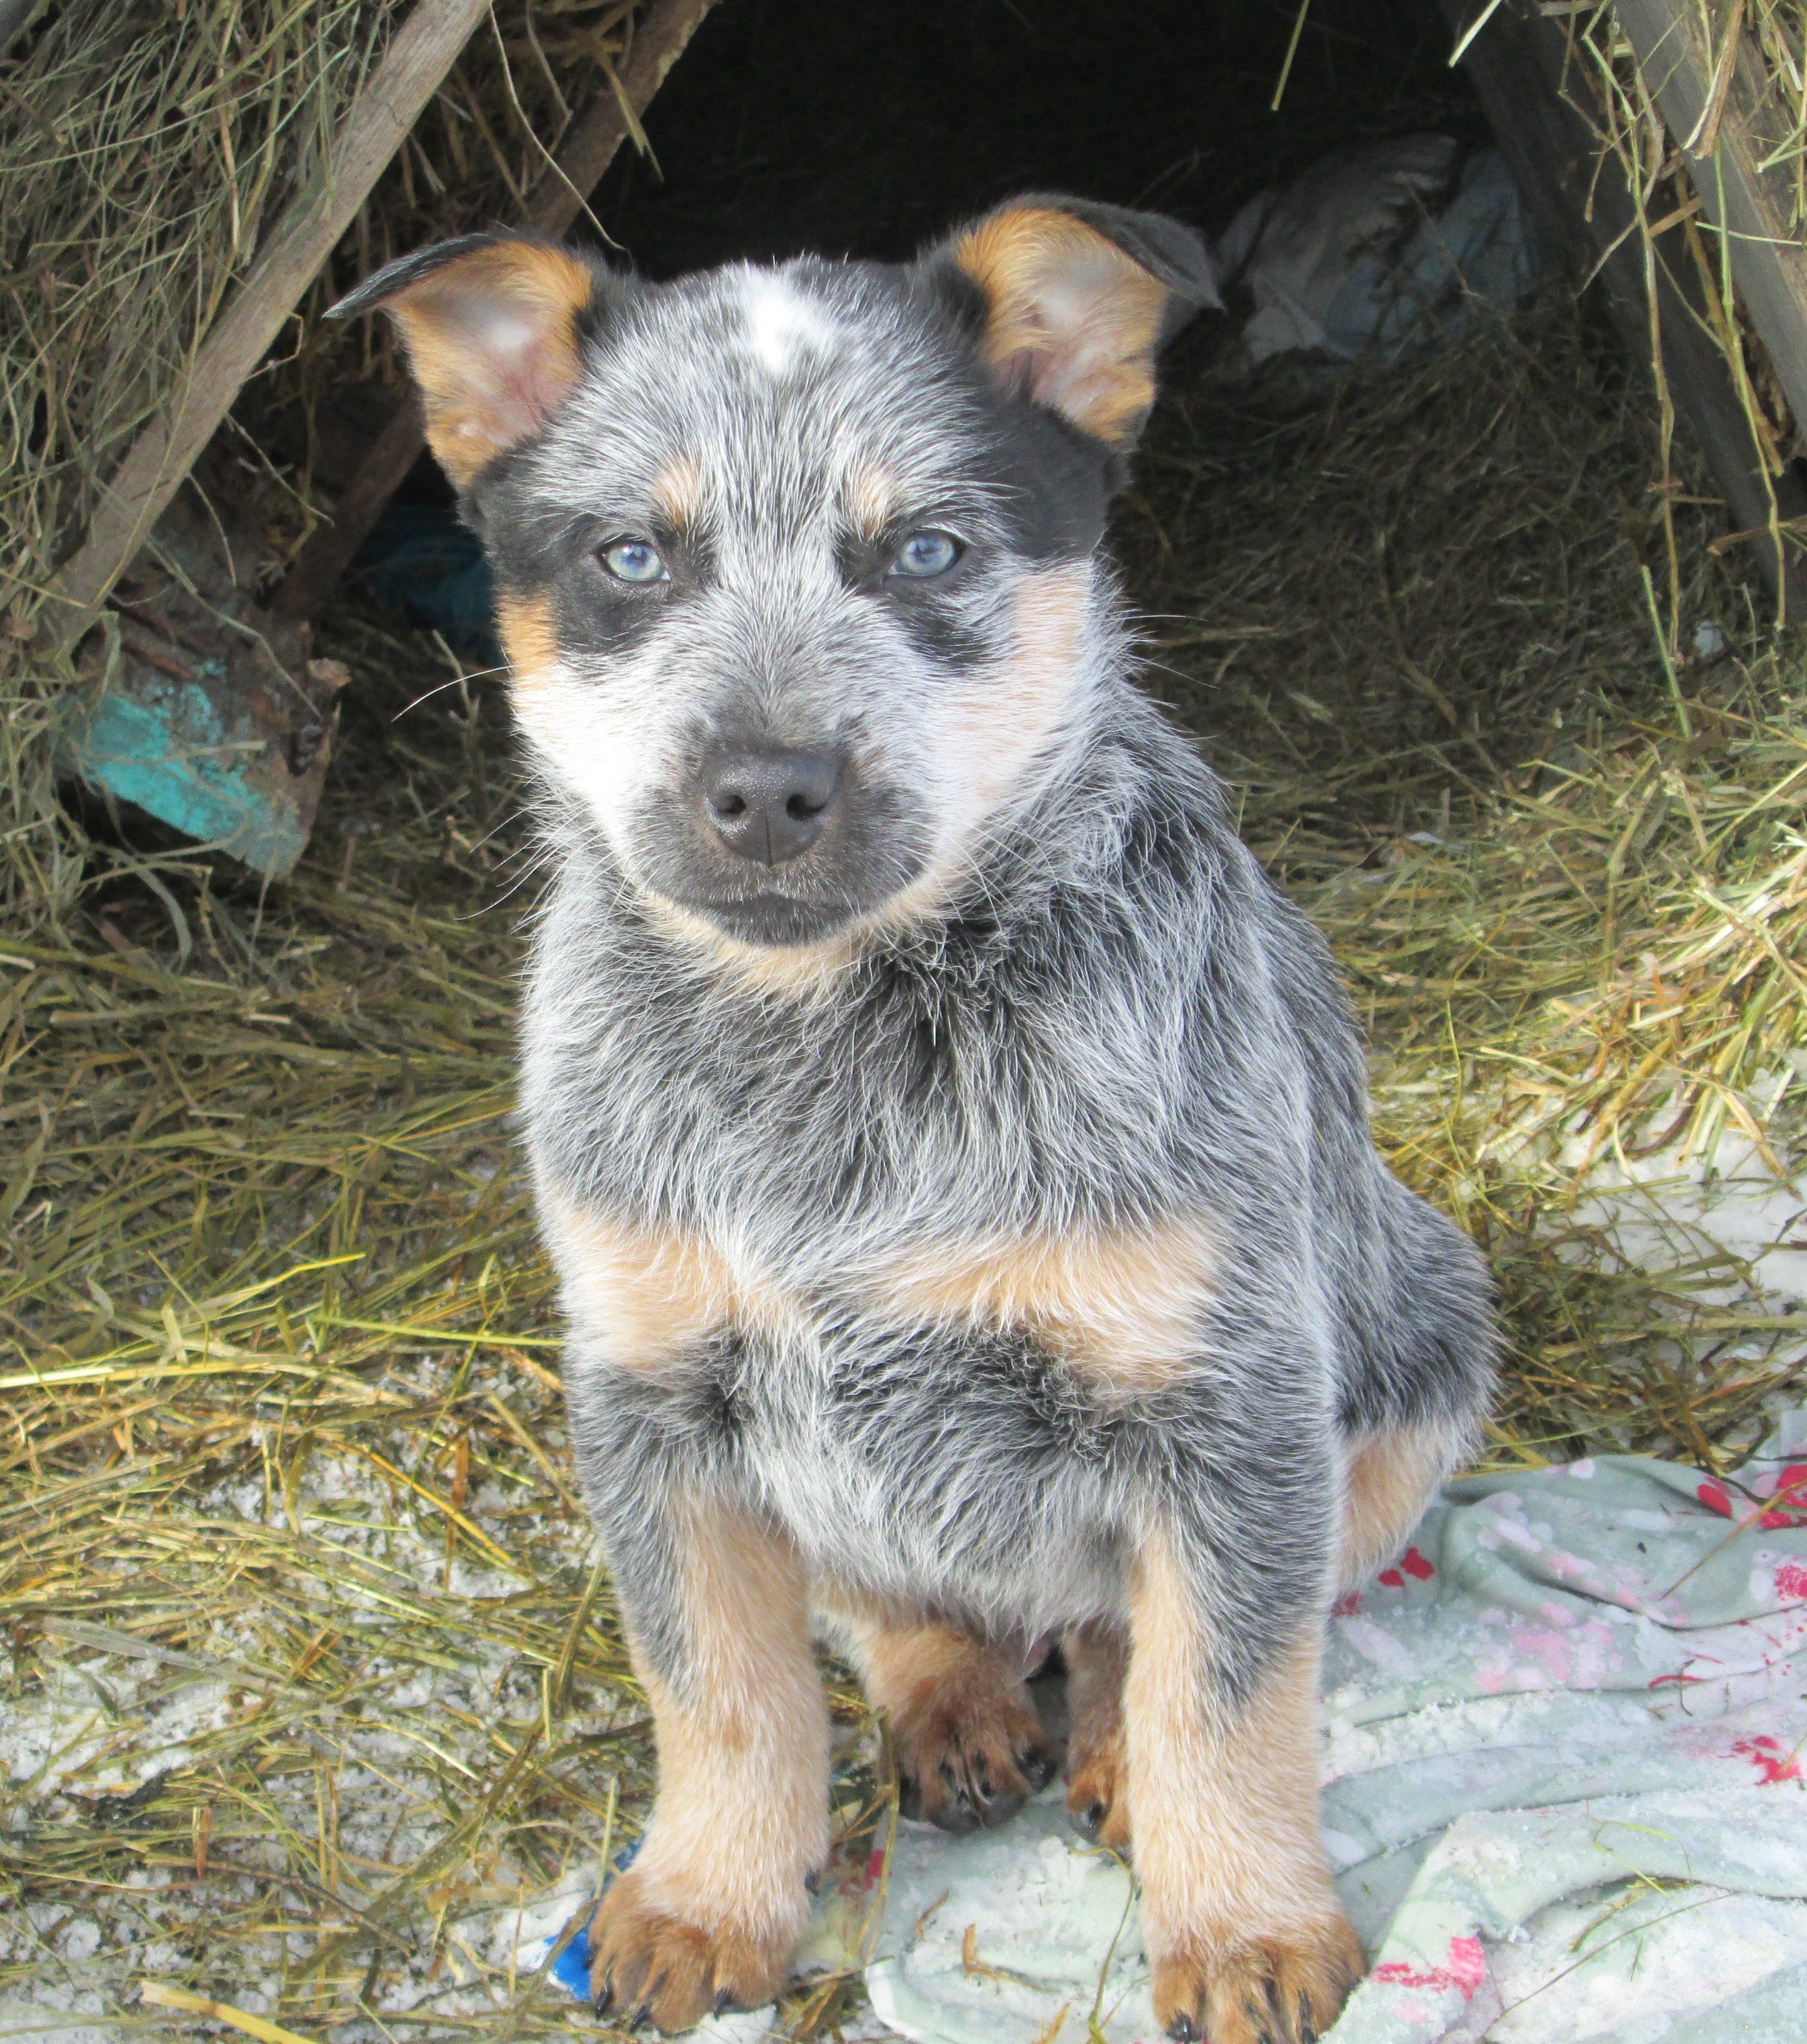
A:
{"points": [[953, 1149]]}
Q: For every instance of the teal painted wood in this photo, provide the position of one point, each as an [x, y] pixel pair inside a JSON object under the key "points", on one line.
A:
{"points": [[165, 746]]}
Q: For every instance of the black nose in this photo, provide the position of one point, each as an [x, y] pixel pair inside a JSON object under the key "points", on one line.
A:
{"points": [[769, 806]]}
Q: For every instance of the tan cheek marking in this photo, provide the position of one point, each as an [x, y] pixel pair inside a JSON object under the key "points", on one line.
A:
{"points": [[1030, 256], [1389, 1480], [530, 640], [998, 726], [649, 1298], [1123, 1307], [1223, 1801]]}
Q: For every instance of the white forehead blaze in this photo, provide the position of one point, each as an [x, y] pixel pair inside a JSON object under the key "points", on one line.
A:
{"points": [[781, 324]]}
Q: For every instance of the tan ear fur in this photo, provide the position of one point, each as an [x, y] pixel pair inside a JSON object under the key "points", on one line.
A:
{"points": [[1073, 321], [493, 341]]}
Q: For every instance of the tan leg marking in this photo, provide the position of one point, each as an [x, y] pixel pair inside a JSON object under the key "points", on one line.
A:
{"points": [[1098, 1766], [649, 1297], [1239, 1919], [712, 1908], [970, 1748], [1122, 1306], [1390, 1478]]}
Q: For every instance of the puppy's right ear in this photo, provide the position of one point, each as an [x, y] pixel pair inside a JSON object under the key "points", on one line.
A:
{"points": [[490, 323]]}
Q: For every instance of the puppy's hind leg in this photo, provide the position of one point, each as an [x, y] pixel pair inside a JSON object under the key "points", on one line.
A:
{"points": [[1098, 1765], [970, 1748], [1390, 1478]]}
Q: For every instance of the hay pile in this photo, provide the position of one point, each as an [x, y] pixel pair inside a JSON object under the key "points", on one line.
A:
{"points": [[145, 151]]}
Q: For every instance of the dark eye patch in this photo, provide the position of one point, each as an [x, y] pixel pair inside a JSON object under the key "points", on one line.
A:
{"points": [[873, 562]]}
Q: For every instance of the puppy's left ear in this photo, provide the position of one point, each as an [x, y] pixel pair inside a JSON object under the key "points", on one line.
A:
{"points": [[1078, 300]]}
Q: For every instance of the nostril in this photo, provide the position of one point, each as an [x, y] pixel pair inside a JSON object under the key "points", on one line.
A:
{"points": [[769, 806]]}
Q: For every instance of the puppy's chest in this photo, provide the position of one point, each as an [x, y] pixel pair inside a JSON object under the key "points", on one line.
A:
{"points": [[1118, 1310]]}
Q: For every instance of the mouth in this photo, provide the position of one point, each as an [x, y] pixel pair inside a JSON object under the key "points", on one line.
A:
{"points": [[775, 919]]}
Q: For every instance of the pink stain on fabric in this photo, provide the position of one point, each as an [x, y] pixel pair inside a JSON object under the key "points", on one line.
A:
{"points": [[1413, 1564], [1790, 1580], [1549, 1648], [1347, 1605], [1767, 1756], [1465, 1970]]}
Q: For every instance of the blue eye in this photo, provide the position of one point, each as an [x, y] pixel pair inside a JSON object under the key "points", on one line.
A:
{"points": [[924, 553], [637, 561]]}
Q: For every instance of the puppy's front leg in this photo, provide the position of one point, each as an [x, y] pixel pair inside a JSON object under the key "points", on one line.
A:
{"points": [[1241, 1924], [717, 1610]]}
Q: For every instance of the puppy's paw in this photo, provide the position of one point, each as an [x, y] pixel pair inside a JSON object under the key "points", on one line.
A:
{"points": [[650, 1965], [1098, 1786], [1287, 1987], [970, 1748]]}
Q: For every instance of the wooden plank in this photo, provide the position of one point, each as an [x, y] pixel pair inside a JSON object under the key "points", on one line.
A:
{"points": [[1587, 214], [214, 718], [1684, 52], [411, 70], [552, 205]]}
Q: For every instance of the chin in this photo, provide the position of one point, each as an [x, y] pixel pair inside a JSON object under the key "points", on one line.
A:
{"points": [[776, 921]]}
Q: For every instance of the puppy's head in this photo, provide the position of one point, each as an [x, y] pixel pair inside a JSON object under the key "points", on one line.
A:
{"points": [[795, 566]]}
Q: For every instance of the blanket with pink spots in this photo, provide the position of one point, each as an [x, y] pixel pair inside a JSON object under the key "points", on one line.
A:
{"points": [[1563, 1791]]}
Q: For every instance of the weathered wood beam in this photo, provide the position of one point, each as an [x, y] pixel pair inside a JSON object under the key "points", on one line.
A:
{"points": [[1708, 80], [552, 205], [1587, 212], [411, 70]]}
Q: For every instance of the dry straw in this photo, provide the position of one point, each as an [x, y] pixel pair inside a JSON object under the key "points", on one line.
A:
{"points": [[144, 154]]}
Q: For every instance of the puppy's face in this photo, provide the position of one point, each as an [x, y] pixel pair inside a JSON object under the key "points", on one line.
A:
{"points": [[795, 566]]}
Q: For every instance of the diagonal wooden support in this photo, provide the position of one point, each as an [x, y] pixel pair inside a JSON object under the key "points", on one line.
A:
{"points": [[1588, 214], [553, 204], [422, 51], [1707, 77]]}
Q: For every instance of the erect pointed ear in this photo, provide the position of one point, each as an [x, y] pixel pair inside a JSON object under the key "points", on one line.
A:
{"points": [[1079, 299], [490, 323]]}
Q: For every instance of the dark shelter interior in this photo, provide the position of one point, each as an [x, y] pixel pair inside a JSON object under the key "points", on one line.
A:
{"points": [[1372, 592]]}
